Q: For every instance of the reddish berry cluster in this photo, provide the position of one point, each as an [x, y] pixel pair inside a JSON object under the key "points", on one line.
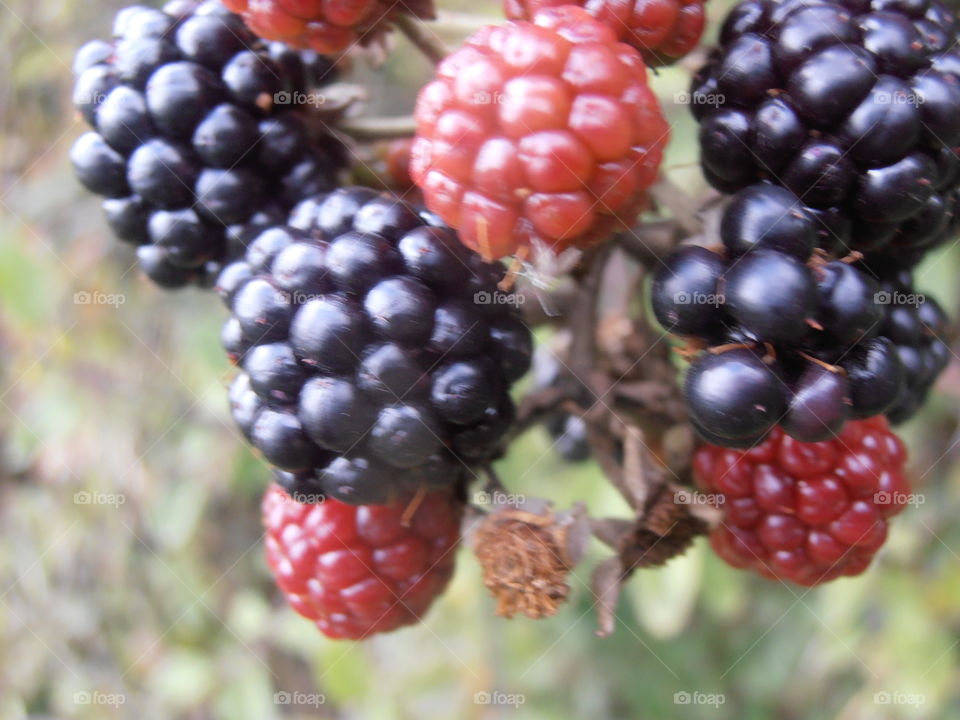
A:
{"points": [[662, 30], [326, 26], [542, 130], [357, 570], [806, 512]]}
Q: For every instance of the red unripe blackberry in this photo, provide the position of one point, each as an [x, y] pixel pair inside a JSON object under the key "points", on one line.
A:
{"points": [[356, 570], [538, 131], [663, 31], [806, 512], [326, 26]]}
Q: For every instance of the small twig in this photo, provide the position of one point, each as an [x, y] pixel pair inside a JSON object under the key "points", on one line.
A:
{"points": [[425, 40], [460, 23], [378, 128], [494, 483], [413, 506]]}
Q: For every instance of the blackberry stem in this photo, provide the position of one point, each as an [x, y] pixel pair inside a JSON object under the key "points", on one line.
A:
{"points": [[378, 128], [424, 38]]}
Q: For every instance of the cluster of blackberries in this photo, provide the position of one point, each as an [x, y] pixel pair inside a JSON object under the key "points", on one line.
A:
{"points": [[854, 105], [377, 351], [792, 337], [195, 145]]}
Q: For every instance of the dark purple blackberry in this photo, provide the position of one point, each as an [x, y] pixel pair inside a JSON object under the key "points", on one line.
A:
{"points": [[193, 145], [820, 341], [848, 311], [734, 394], [685, 293], [915, 326], [767, 217], [853, 105], [819, 404], [771, 295], [365, 370]]}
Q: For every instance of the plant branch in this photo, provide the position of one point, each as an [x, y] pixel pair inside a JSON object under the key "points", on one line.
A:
{"points": [[378, 128], [425, 40]]}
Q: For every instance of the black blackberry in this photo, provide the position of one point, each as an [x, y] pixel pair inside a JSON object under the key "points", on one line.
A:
{"points": [[804, 343], [370, 360], [916, 327], [194, 144], [853, 105]]}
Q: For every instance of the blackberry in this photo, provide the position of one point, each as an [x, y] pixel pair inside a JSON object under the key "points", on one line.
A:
{"points": [[555, 144], [734, 394], [806, 512], [662, 31], [372, 360], [192, 145], [360, 570], [326, 26], [806, 345], [915, 325], [851, 105]]}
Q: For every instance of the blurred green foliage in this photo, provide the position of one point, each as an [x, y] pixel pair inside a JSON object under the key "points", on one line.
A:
{"points": [[131, 564]]}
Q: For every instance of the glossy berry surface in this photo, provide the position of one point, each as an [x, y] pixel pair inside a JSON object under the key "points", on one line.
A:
{"points": [[325, 26], [852, 106], [806, 512], [360, 570], [734, 394], [685, 293], [841, 343], [193, 142], [538, 132], [663, 31], [377, 351]]}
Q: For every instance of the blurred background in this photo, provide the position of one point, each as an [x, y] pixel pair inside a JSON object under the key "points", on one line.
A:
{"points": [[132, 579]]}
